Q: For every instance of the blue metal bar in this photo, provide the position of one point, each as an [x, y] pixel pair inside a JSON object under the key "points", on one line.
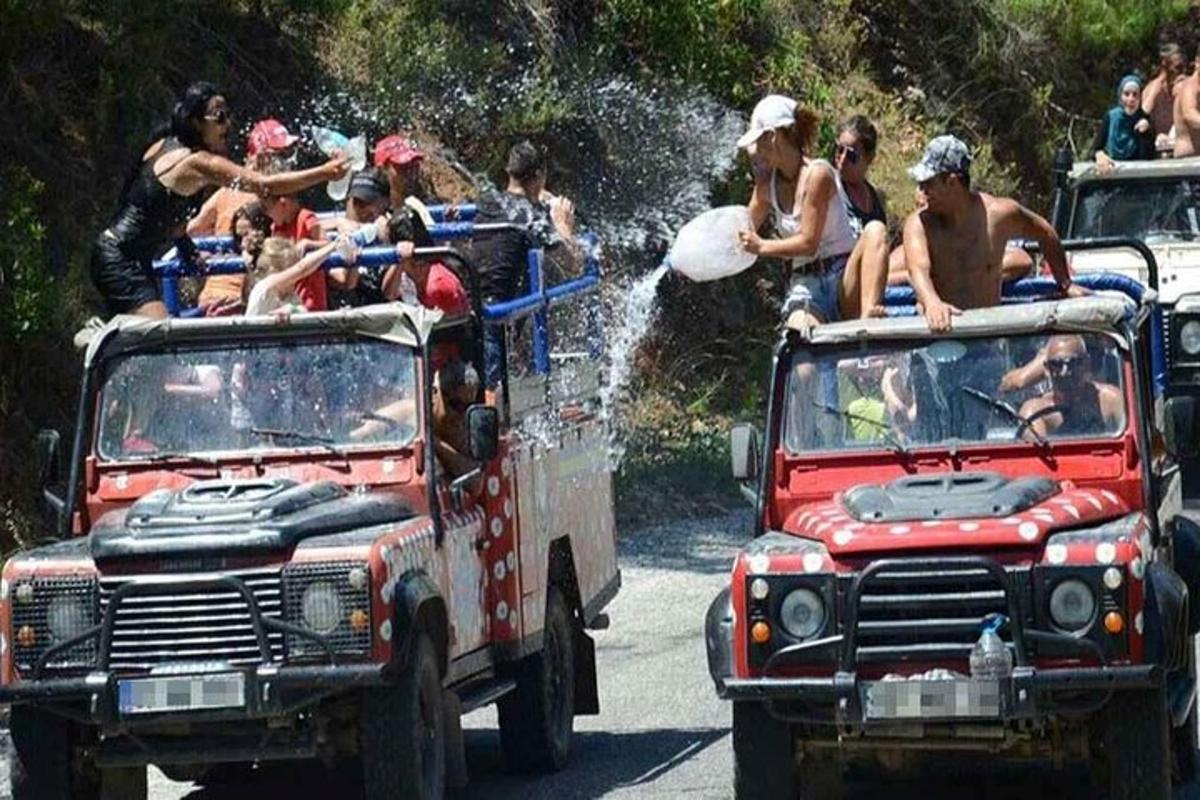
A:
{"points": [[541, 334], [464, 212], [170, 291]]}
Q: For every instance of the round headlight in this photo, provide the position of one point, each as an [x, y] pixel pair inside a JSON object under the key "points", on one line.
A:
{"points": [[321, 607], [802, 613], [1072, 605], [66, 618], [1189, 337]]}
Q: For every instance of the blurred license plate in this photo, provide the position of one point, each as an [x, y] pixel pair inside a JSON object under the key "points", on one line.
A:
{"points": [[939, 699], [181, 693]]}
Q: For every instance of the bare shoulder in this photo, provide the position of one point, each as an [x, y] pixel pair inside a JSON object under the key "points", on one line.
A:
{"points": [[1003, 207], [1108, 392]]}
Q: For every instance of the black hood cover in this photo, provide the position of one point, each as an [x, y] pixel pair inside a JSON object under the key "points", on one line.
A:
{"points": [[951, 495], [240, 516]]}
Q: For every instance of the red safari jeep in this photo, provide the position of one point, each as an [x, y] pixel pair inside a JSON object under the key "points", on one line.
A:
{"points": [[270, 560], [915, 487]]}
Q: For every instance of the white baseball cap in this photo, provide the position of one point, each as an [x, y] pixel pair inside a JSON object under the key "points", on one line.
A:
{"points": [[773, 111]]}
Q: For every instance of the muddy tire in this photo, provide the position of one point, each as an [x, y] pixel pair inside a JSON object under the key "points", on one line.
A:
{"points": [[765, 765], [538, 717], [402, 732], [1134, 741], [42, 765]]}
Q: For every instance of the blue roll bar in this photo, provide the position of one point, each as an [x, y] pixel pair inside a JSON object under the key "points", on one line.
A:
{"points": [[441, 232]]}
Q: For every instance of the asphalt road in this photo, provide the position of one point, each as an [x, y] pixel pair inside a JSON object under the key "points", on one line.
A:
{"points": [[662, 732]]}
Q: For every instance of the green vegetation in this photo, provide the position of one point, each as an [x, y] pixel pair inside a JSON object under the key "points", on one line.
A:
{"points": [[83, 84]]}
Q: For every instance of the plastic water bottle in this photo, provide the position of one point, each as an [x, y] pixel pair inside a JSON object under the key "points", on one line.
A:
{"points": [[365, 236], [990, 656], [707, 248], [329, 142]]}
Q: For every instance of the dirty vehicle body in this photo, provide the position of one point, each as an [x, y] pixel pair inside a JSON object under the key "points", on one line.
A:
{"points": [[1158, 204], [265, 558], [928, 499]]}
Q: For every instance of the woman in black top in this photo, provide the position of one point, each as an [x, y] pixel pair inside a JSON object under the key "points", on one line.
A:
{"points": [[853, 156], [166, 187]]}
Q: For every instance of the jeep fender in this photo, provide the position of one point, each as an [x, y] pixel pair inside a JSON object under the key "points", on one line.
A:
{"points": [[418, 606], [718, 638]]}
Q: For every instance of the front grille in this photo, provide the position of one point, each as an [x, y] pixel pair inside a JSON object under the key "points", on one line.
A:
{"points": [[344, 638], [192, 624], [923, 613], [33, 614]]}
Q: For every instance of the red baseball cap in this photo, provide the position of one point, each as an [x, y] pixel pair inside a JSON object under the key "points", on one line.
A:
{"points": [[395, 149], [268, 134]]}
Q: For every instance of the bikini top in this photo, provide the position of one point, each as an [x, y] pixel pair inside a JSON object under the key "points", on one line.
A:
{"points": [[150, 211]]}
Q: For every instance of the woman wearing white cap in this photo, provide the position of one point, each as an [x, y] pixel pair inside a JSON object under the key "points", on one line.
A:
{"points": [[834, 275]]}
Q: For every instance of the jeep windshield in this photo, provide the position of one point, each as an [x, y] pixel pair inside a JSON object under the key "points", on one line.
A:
{"points": [[1144, 209], [899, 395], [191, 403]]}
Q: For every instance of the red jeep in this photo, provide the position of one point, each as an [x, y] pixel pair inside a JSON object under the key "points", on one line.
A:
{"points": [[268, 555], [916, 488]]}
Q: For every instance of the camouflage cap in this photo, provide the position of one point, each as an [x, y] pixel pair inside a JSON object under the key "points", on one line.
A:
{"points": [[944, 154]]}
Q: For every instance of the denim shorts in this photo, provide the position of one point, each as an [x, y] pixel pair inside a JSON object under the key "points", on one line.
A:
{"points": [[816, 291]]}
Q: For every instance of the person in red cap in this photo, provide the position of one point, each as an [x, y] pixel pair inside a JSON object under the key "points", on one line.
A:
{"points": [[268, 141], [401, 161]]}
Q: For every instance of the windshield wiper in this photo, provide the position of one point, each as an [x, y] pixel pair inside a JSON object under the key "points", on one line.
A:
{"points": [[888, 435], [300, 436], [170, 455], [1023, 423]]}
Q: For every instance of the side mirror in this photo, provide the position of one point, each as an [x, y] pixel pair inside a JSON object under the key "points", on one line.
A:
{"points": [[1180, 426], [49, 455], [744, 452], [483, 432]]}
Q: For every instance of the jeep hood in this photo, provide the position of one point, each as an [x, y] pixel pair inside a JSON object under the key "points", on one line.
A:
{"points": [[951, 511], [237, 516]]}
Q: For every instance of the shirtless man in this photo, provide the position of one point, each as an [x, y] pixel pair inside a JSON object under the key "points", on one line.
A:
{"points": [[1158, 97], [954, 246], [1187, 112], [1086, 406]]}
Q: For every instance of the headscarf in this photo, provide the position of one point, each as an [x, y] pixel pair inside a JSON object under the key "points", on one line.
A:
{"points": [[1122, 143]]}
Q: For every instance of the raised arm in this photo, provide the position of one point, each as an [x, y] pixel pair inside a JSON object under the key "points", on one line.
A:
{"points": [[306, 266], [920, 274], [220, 171]]}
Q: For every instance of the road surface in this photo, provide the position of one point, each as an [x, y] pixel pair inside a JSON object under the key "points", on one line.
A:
{"points": [[662, 733]]}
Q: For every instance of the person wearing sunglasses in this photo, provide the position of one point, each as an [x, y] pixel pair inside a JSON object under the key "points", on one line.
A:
{"points": [[853, 154], [1076, 405], [164, 189]]}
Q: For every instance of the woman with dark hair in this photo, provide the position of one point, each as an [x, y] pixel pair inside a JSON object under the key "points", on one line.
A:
{"points": [[166, 187], [833, 275], [853, 154]]}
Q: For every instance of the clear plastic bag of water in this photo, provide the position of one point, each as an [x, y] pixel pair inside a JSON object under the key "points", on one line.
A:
{"points": [[329, 142], [990, 657], [707, 248]]}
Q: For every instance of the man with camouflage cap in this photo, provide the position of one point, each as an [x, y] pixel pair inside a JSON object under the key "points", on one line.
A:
{"points": [[954, 244]]}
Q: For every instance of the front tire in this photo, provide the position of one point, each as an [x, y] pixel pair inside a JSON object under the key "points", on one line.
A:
{"points": [[538, 717], [42, 765], [402, 733], [1134, 738], [765, 765]]}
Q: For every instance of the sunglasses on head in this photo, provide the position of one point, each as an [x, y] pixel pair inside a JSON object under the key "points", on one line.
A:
{"points": [[222, 117], [851, 153], [1058, 366]]}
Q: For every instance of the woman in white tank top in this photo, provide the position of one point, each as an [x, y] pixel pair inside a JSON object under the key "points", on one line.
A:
{"points": [[833, 275]]}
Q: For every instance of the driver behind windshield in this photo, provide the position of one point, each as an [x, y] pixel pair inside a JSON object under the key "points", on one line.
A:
{"points": [[1075, 404]]}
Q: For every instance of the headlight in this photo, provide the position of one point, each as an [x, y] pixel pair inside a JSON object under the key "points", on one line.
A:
{"points": [[66, 618], [1189, 337], [802, 613], [1072, 605], [321, 607]]}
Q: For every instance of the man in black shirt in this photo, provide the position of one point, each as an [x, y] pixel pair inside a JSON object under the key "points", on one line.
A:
{"points": [[546, 221]]}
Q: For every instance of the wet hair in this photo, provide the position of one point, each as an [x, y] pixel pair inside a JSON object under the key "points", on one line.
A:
{"points": [[525, 161], [803, 130], [277, 254], [253, 213], [456, 374], [405, 226], [864, 130], [189, 110]]}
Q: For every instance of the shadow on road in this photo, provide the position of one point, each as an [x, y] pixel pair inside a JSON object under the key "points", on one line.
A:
{"points": [[602, 762], [699, 545]]}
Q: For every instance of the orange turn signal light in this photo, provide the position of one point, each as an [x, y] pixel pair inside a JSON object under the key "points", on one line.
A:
{"points": [[359, 620], [760, 633], [1113, 622], [25, 636]]}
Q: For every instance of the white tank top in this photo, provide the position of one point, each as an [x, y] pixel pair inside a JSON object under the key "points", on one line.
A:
{"points": [[838, 236]]}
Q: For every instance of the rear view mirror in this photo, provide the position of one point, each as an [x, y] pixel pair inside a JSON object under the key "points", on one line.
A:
{"points": [[483, 432], [49, 455], [744, 452], [1180, 426]]}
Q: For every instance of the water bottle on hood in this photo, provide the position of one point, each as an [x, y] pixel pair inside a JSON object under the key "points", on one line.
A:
{"points": [[329, 142], [990, 657]]}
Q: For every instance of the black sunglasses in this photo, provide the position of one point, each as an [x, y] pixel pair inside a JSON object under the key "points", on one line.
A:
{"points": [[1062, 365], [851, 153]]}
